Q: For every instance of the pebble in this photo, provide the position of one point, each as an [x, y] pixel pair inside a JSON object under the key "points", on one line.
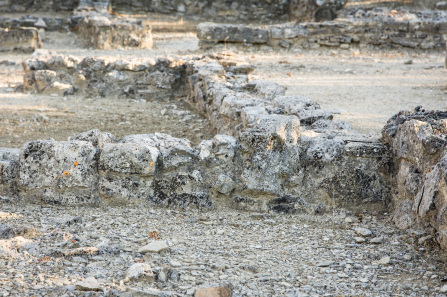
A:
{"points": [[359, 239], [384, 261], [363, 231]]}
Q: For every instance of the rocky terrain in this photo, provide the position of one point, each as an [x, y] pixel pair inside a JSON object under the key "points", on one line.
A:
{"points": [[48, 250]]}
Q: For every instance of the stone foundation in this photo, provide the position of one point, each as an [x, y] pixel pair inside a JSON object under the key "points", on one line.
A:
{"points": [[426, 35], [272, 152], [21, 40]]}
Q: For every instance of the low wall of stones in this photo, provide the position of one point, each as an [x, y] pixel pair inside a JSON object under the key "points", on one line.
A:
{"points": [[426, 35], [418, 143], [24, 40], [272, 152]]}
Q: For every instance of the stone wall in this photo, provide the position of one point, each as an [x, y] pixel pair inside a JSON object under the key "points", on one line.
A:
{"points": [[265, 10], [37, 5], [427, 35], [24, 40], [271, 152]]}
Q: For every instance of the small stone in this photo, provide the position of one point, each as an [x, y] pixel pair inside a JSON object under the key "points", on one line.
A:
{"points": [[408, 62], [40, 23], [443, 289], [88, 284], [359, 239], [377, 240], [222, 291], [324, 263], [407, 257], [349, 220], [384, 261], [154, 247], [344, 46], [140, 270], [363, 231], [175, 263]]}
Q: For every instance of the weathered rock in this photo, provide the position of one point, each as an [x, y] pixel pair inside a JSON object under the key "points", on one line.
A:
{"points": [[140, 271], [419, 144], [10, 230], [95, 137], [88, 284], [21, 39], [157, 246], [231, 33], [58, 172], [105, 32], [220, 291]]}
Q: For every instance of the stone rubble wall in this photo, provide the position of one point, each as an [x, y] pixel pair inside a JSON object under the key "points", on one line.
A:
{"points": [[418, 141], [37, 5], [271, 152], [101, 30], [24, 40], [426, 35], [220, 10]]}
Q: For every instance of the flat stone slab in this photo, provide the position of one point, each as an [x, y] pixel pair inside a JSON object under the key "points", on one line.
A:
{"points": [[88, 284], [154, 247]]}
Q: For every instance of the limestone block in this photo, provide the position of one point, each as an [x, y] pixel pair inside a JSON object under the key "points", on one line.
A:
{"points": [[127, 171], [20, 39], [95, 137], [58, 172]]}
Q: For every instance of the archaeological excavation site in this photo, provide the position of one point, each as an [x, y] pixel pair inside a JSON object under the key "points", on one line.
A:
{"points": [[223, 148]]}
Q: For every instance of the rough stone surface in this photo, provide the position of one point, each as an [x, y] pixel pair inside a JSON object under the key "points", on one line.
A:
{"points": [[58, 172], [375, 32], [88, 284], [276, 152], [24, 40], [220, 291], [418, 141], [154, 247]]}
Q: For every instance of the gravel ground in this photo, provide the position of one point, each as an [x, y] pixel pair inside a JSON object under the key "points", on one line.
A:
{"points": [[47, 250]]}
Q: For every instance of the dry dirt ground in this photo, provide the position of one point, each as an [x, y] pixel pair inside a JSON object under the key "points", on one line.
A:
{"points": [[364, 88]]}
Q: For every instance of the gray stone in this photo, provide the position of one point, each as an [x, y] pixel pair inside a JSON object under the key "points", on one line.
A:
{"points": [[157, 246], [88, 284], [21, 40], [140, 271]]}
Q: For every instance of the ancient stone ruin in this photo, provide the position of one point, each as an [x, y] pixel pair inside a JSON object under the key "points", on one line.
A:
{"points": [[271, 152]]}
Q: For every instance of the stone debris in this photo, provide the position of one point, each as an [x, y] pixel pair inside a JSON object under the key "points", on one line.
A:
{"points": [[25, 40], [312, 254], [363, 231], [155, 247], [140, 270], [88, 284], [220, 291]]}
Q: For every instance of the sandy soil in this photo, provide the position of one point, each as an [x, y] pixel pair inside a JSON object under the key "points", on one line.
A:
{"points": [[364, 88]]}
